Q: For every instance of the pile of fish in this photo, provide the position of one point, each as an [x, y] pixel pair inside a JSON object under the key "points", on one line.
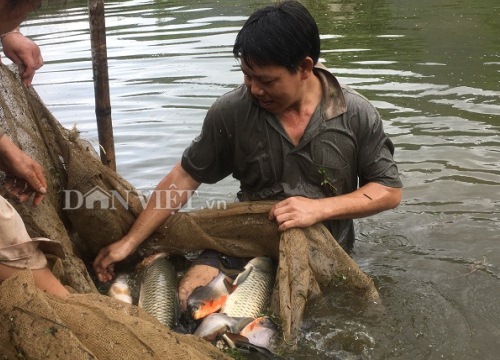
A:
{"points": [[229, 312]]}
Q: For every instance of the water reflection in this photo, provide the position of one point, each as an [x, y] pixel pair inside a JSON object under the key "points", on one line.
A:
{"points": [[432, 70]]}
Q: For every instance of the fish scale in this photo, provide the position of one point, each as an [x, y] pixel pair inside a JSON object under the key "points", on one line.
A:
{"points": [[158, 294], [252, 295]]}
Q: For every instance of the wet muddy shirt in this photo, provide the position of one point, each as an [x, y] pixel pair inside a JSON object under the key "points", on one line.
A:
{"points": [[343, 147]]}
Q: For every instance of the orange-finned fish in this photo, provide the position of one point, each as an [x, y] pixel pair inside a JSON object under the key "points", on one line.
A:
{"points": [[205, 300], [261, 332]]}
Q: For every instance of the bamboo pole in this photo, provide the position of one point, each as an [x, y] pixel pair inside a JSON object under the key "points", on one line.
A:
{"points": [[101, 82]]}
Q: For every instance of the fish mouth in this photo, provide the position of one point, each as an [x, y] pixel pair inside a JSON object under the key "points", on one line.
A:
{"points": [[198, 313], [204, 309]]}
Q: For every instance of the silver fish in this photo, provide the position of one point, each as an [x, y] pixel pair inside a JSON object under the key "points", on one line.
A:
{"points": [[261, 332], [218, 323], [120, 288], [253, 291], [158, 293]]}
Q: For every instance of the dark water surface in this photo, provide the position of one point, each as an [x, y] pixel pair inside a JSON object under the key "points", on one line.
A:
{"points": [[432, 68]]}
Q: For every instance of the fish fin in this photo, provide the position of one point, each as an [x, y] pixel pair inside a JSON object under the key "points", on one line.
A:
{"points": [[124, 297], [237, 337], [246, 347], [141, 298], [241, 324], [242, 276], [229, 284]]}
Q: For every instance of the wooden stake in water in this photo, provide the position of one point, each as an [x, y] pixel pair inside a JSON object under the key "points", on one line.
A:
{"points": [[101, 82]]}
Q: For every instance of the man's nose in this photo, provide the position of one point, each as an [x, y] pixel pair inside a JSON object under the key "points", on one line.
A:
{"points": [[256, 90]]}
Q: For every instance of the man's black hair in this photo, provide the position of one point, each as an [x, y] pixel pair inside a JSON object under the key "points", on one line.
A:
{"points": [[283, 34]]}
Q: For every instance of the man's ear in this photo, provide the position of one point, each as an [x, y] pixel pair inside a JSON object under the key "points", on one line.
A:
{"points": [[306, 67]]}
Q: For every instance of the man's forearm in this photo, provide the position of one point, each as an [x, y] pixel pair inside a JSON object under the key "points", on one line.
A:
{"points": [[171, 194], [370, 199]]}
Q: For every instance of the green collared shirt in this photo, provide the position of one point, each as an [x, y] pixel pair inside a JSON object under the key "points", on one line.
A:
{"points": [[343, 147]]}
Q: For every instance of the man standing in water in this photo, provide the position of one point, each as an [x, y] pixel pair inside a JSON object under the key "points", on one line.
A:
{"points": [[291, 133]]}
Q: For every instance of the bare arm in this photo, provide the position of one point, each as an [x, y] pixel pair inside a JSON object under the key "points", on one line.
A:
{"points": [[370, 199], [171, 194], [23, 52]]}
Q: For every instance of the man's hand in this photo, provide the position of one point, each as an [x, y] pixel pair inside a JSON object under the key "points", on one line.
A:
{"points": [[369, 199], [295, 212], [23, 52], [105, 260], [24, 175], [157, 211]]}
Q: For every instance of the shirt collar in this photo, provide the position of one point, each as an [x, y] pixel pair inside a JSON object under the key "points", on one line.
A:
{"points": [[333, 102]]}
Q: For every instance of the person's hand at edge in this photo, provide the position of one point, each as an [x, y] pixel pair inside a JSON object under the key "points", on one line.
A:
{"points": [[24, 175], [107, 257], [23, 52]]}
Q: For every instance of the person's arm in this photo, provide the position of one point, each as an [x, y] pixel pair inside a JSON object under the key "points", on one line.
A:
{"points": [[162, 203], [24, 175], [370, 199], [23, 52]]}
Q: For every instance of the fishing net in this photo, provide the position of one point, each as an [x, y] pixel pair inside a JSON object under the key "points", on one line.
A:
{"points": [[86, 326], [309, 259]]}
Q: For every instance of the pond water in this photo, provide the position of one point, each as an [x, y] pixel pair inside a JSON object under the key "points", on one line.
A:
{"points": [[432, 68]]}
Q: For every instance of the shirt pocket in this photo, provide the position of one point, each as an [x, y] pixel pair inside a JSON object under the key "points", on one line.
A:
{"points": [[330, 179], [330, 168]]}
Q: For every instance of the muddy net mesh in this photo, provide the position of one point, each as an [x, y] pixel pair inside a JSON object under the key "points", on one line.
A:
{"points": [[309, 259], [86, 326]]}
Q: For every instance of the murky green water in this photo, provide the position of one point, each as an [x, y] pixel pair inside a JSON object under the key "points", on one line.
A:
{"points": [[432, 68]]}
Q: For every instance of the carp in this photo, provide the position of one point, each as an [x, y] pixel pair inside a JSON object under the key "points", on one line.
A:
{"points": [[254, 286], [158, 290]]}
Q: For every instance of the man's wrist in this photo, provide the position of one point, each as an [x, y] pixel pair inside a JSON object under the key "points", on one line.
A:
{"points": [[131, 242], [15, 31]]}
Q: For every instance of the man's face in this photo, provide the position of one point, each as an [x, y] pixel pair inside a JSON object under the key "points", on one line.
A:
{"points": [[13, 13], [273, 86]]}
